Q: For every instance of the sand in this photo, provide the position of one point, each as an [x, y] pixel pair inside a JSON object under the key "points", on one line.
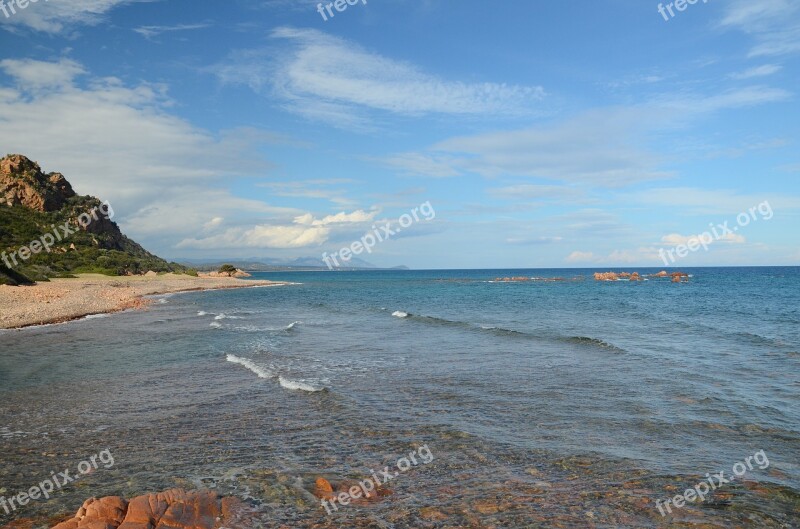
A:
{"points": [[62, 300]]}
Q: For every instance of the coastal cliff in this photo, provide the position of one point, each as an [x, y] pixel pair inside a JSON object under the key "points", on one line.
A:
{"points": [[47, 230]]}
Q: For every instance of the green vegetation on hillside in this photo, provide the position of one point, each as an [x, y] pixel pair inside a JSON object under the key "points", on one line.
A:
{"points": [[101, 248]]}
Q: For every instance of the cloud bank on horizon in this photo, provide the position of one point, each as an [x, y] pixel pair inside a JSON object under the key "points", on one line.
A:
{"points": [[544, 136]]}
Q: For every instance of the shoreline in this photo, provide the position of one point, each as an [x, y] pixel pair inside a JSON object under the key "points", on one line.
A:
{"points": [[64, 300]]}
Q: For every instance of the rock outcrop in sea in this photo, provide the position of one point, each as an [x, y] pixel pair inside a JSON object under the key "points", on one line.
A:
{"points": [[677, 277]]}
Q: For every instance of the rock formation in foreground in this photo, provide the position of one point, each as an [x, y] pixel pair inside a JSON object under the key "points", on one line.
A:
{"points": [[172, 509]]}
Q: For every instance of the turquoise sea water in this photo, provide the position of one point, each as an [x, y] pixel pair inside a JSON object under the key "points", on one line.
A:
{"points": [[549, 400]]}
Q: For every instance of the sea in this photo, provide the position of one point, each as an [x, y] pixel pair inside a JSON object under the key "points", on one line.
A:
{"points": [[559, 401]]}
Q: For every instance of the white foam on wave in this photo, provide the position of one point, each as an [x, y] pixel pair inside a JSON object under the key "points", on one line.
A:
{"points": [[295, 385], [400, 314], [202, 313], [95, 316], [215, 324], [291, 325], [252, 366], [223, 316]]}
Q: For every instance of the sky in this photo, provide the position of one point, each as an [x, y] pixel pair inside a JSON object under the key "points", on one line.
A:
{"points": [[533, 133]]}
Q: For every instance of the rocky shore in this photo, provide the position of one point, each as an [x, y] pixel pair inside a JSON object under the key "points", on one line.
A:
{"points": [[63, 300], [170, 509]]}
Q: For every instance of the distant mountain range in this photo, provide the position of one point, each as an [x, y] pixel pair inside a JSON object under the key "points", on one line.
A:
{"points": [[269, 264]]}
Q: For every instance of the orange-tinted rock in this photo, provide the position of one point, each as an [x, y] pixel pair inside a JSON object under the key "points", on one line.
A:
{"points": [[323, 488], [22, 183], [172, 509], [606, 276]]}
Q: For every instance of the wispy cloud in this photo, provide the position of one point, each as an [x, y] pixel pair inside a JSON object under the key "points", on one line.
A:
{"points": [[333, 80], [757, 71], [774, 24], [58, 16], [605, 147], [149, 32]]}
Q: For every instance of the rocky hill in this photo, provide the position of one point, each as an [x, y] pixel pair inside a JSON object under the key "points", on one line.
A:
{"points": [[47, 230]]}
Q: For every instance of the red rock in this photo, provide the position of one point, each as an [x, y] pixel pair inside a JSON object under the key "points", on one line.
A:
{"points": [[323, 489], [172, 509], [606, 276]]}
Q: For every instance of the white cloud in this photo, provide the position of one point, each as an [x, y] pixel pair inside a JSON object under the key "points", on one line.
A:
{"points": [[35, 75], [149, 32], [581, 257], [534, 191], [165, 177], [534, 240], [757, 71], [643, 256], [339, 218], [261, 236], [304, 231], [57, 16], [774, 24], [330, 79], [604, 147], [711, 201], [675, 239], [422, 164]]}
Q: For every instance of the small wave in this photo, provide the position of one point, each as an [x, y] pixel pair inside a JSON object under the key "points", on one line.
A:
{"points": [[252, 366], [223, 316], [95, 316], [758, 339], [202, 313], [433, 320], [262, 372], [215, 324], [502, 331], [299, 386], [256, 328], [586, 340]]}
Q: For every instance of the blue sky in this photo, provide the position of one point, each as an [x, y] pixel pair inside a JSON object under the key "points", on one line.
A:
{"points": [[543, 133]]}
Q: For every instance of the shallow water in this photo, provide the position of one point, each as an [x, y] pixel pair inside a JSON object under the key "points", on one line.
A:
{"points": [[545, 404]]}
